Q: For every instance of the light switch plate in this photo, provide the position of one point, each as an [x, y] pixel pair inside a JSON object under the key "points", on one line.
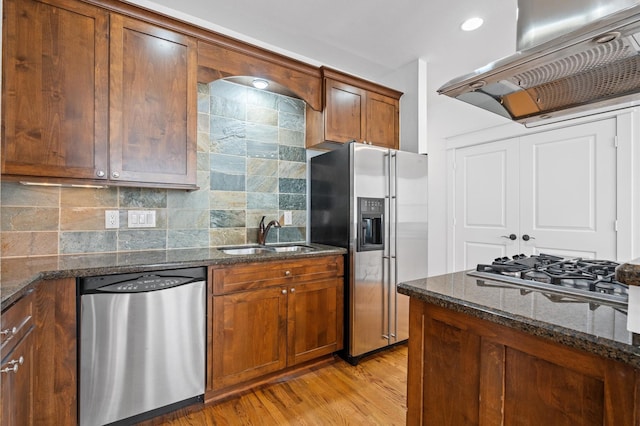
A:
{"points": [[141, 219]]}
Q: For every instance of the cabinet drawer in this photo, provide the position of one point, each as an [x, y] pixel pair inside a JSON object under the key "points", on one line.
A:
{"points": [[246, 276], [17, 320]]}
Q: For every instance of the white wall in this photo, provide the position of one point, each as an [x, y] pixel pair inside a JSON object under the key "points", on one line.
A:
{"points": [[446, 118], [411, 80]]}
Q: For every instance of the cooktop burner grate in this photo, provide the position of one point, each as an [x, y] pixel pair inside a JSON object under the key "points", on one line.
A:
{"points": [[593, 280]]}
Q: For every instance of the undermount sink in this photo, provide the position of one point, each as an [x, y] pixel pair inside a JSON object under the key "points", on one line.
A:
{"points": [[266, 249], [282, 249], [246, 250]]}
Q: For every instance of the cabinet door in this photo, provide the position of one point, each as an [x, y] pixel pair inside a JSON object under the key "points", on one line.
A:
{"points": [[314, 320], [54, 89], [249, 335], [464, 370], [152, 104], [344, 117], [17, 386], [382, 121]]}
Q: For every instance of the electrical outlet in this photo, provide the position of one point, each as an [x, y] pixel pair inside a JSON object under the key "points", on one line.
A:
{"points": [[288, 220], [111, 219]]}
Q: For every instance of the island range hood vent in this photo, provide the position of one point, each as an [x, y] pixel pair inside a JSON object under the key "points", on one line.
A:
{"points": [[572, 58]]}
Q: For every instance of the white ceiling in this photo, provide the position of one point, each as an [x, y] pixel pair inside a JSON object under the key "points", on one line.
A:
{"points": [[370, 38]]}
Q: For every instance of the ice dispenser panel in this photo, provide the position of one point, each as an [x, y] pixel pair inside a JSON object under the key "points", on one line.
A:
{"points": [[370, 224]]}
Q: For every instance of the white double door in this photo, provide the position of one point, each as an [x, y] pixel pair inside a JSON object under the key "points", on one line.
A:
{"points": [[551, 192]]}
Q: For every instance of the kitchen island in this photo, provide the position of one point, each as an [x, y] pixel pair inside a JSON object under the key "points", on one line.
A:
{"points": [[485, 352]]}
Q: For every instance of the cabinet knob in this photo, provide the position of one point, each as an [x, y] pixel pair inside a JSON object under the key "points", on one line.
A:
{"points": [[100, 173], [528, 237], [13, 369], [287, 273], [293, 290], [8, 333], [13, 365], [284, 291], [510, 236], [115, 175]]}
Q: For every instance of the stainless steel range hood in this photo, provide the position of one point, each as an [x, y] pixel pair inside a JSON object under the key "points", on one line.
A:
{"points": [[572, 57]]}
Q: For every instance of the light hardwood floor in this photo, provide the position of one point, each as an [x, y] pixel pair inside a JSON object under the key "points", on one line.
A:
{"points": [[371, 393]]}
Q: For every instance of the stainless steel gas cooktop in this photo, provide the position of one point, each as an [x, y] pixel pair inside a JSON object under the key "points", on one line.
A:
{"points": [[587, 279]]}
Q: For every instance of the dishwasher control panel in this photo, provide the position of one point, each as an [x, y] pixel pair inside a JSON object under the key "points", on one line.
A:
{"points": [[145, 284], [141, 282]]}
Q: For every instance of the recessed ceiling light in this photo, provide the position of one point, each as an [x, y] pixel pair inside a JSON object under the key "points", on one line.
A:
{"points": [[259, 83], [472, 24]]}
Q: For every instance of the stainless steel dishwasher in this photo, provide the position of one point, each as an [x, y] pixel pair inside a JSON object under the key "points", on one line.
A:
{"points": [[142, 344]]}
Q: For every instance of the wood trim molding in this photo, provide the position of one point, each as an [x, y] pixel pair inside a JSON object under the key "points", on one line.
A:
{"points": [[359, 82]]}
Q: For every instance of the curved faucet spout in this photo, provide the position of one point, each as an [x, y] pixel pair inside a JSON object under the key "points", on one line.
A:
{"points": [[263, 230]]}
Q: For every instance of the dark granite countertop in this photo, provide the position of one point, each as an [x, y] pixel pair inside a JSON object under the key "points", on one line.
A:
{"points": [[629, 273], [21, 274], [594, 328]]}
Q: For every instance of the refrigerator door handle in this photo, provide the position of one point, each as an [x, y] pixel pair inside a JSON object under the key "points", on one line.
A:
{"points": [[387, 254], [394, 223], [386, 260]]}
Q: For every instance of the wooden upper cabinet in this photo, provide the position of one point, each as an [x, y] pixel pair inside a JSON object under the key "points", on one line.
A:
{"points": [[383, 121], [91, 94], [345, 112], [153, 92], [354, 109], [54, 89]]}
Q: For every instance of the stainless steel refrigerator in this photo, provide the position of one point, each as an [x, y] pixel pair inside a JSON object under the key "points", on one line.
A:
{"points": [[373, 202]]}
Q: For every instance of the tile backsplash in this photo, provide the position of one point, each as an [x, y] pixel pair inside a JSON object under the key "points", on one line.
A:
{"points": [[251, 163]]}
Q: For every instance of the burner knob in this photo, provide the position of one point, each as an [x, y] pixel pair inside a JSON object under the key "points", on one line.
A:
{"points": [[527, 237], [511, 236]]}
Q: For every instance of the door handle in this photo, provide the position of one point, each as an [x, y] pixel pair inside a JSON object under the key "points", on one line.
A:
{"points": [[526, 237], [511, 237]]}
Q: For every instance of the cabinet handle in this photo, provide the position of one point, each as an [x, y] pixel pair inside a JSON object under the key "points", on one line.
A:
{"points": [[287, 273], [284, 291], [527, 237], [100, 173], [9, 333], [510, 236], [115, 175], [14, 365]]}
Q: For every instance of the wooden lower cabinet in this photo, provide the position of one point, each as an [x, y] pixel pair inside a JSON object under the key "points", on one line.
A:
{"points": [[249, 335], [314, 320], [268, 317], [16, 368], [40, 338], [464, 370]]}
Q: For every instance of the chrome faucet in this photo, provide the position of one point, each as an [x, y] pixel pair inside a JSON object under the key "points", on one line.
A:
{"points": [[264, 231]]}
